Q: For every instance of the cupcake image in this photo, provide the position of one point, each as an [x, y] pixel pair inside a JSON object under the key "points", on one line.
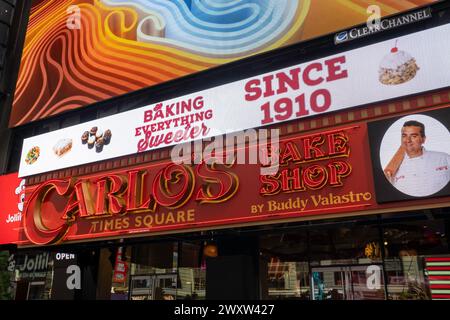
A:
{"points": [[107, 136], [97, 138], [91, 142], [85, 137], [397, 67], [99, 145], [99, 134], [93, 131]]}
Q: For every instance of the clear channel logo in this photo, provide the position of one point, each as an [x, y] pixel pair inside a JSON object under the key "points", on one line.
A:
{"points": [[341, 37]]}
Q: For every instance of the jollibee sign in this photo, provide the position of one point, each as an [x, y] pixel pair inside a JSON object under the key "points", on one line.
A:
{"points": [[410, 64], [12, 191], [316, 177]]}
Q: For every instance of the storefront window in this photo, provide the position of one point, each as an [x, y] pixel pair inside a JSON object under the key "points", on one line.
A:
{"points": [[192, 271], [341, 261], [287, 265], [397, 256], [32, 275], [153, 271], [416, 253], [348, 244], [167, 271], [120, 273]]}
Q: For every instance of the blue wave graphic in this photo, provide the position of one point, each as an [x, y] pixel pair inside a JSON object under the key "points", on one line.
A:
{"points": [[216, 28]]}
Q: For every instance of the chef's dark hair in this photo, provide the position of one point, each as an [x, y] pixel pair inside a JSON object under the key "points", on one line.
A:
{"points": [[414, 123]]}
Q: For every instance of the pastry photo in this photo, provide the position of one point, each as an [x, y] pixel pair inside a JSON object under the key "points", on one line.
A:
{"points": [[397, 67], [97, 138], [32, 155], [62, 147]]}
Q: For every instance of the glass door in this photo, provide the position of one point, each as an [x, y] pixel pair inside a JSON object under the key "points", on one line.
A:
{"points": [[165, 287], [154, 287], [360, 282], [141, 287], [366, 282], [328, 283]]}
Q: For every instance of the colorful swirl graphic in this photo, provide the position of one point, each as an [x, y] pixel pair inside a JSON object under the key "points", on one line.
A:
{"points": [[78, 52]]}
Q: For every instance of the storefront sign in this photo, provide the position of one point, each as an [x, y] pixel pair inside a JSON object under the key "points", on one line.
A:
{"points": [[411, 156], [386, 70], [29, 265], [12, 192], [385, 24], [316, 177], [120, 267]]}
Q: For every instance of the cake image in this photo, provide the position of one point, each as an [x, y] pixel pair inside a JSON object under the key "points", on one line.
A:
{"points": [[62, 147], [397, 67]]}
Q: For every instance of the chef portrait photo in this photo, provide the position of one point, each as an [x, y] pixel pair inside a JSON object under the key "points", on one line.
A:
{"points": [[414, 157]]}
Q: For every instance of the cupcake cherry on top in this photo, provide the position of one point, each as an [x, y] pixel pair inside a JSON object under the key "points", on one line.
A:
{"points": [[397, 67]]}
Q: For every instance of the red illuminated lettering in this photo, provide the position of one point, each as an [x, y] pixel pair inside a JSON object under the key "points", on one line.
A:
{"points": [[219, 185]]}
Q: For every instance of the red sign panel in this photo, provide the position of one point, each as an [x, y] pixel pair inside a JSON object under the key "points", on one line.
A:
{"points": [[120, 267], [319, 174], [12, 192]]}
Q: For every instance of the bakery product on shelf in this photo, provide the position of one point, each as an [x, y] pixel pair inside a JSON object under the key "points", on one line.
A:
{"points": [[62, 147], [397, 67]]}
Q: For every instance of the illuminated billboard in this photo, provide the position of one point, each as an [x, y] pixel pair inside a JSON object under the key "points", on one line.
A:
{"points": [[78, 52], [399, 67]]}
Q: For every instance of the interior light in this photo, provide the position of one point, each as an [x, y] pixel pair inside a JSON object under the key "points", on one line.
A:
{"points": [[210, 250]]}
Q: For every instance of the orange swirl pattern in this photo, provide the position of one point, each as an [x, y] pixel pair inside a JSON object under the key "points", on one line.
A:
{"points": [[63, 68]]}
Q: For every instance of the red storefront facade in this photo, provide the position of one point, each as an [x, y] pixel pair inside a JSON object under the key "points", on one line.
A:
{"points": [[140, 226], [148, 195]]}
